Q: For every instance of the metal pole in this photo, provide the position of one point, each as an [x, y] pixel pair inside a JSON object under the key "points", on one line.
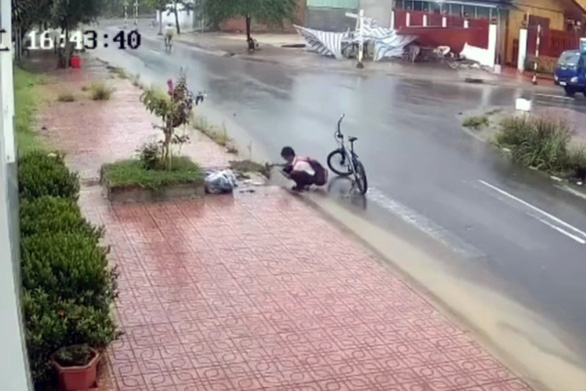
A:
{"points": [[536, 54], [136, 12], [125, 14], [360, 65]]}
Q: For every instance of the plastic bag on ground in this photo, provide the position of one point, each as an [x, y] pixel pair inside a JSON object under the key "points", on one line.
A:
{"points": [[218, 182]]}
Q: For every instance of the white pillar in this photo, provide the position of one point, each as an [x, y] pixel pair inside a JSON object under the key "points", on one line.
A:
{"points": [[424, 20], [444, 22], [361, 42], [408, 19], [14, 369], [393, 19], [523, 36], [492, 40], [466, 23]]}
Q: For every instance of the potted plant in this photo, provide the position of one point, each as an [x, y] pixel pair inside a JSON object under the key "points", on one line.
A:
{"points": [[76, 367]]}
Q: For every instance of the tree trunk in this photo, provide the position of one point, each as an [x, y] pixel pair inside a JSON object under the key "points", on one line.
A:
{"points": [[176, 17], [161, 21], [248, 22]]}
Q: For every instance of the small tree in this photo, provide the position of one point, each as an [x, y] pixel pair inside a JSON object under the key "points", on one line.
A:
{"points": [[174, 109], [69, 14], [271, 12]]}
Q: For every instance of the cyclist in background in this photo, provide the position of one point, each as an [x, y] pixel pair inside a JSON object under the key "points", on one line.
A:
{"points": [[169, 33]]}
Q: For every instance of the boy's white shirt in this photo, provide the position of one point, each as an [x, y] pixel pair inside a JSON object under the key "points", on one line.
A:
{"points": [[301, 164]]}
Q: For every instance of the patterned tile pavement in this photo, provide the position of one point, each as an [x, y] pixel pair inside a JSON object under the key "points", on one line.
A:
{"points": [[253, 291]]}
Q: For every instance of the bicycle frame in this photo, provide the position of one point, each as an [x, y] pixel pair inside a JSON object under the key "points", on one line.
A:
{"points": [[347, 154]]}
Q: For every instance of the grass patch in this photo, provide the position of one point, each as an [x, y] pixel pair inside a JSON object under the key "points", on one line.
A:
{"points": [[66, 96], [129, 173], [26, 101], [100, 90], [475, 122], [218, 135], [541, 143], [245, 166]]}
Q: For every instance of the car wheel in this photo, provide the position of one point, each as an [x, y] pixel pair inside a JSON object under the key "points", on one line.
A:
{"points": [[570, 91]]}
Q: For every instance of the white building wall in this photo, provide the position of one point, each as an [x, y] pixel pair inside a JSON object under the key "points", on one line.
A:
{"points": [[186, 18]]}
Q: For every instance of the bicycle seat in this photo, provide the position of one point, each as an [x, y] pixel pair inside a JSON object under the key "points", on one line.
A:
{"points": [[352, 139]]}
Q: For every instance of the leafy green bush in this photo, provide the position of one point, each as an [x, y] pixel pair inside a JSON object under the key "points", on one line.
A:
{"points": [[53, 323], [41, 174], [577, 162], [68, 266], [54, 215], [538, 142]]}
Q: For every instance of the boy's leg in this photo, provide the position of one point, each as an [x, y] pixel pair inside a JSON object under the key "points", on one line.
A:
{"points": [[301, 179]]}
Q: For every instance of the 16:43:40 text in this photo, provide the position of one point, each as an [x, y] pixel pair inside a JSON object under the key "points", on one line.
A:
{"points": [[88, 39]]}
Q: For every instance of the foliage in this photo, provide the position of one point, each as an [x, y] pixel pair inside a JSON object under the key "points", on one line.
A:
{"points": [[577, 162], [25, 105], [475, 122], [52, 323], [68, 14], [100, 90], [66, 96], [271, 12], [150, 155], [42, 174], [174, 109], [74, 355], [69, 266], [54, 215], [134, 173], [538, 142]]}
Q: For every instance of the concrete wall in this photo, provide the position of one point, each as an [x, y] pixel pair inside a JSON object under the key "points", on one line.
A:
{"points": [[330, 19], [379, 10]]}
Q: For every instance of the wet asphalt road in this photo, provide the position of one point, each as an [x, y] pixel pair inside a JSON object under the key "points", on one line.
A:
{"points": [[507, 222]]}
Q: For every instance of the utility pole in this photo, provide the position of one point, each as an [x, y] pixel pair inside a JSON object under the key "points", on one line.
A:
{"points": [[14, 368], [136, 13], [125, 14]]}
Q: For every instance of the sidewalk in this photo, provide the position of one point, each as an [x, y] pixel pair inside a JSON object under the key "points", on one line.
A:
{"points": [[253, 291]]}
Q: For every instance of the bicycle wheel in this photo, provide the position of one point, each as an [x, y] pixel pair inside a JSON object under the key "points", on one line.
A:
{"points": [[360, 177], [338, 163]]}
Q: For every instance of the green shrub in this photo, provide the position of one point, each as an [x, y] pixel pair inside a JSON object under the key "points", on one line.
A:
{"points": [[475, 122], [47, 214], [100, 90], [41, 174], [538, 142], [52, 324], [577, 162], [68, 266]]}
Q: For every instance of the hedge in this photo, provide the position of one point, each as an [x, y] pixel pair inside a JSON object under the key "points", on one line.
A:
{"points": [[42, 174], [68, 286]]}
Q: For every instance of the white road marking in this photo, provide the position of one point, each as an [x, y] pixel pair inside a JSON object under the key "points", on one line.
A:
{"points": [[542, 212], [154, 51], [572, 191], [555, 96], [424, 224], [577, 239]]}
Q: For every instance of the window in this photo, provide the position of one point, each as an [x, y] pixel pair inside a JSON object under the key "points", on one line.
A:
{"points": [[483, 12]]}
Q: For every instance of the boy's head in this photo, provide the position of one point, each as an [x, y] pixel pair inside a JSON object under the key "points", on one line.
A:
{"points": [[288, 154]]}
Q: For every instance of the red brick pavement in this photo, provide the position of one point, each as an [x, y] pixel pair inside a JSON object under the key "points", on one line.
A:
{"points": [[256, 291]]}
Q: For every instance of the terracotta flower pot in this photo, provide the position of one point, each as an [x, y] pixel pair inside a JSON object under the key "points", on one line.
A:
{"points": [[78, 378]]}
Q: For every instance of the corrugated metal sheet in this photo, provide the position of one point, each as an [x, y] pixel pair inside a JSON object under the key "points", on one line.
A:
{"points": [[350, 4]]}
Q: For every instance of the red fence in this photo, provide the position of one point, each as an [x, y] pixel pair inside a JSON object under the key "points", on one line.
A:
{"points": [[433, 34], [552, 42]]}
